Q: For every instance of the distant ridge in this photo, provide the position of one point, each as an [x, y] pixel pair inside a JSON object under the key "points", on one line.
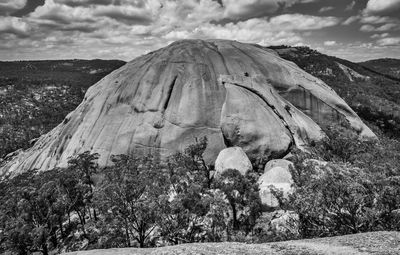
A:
{"points": [[390, 67]]}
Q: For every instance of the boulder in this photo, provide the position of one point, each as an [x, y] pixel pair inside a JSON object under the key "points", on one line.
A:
{"points": [[233, 158], [235, 94], [282, 163], [276, 174]]}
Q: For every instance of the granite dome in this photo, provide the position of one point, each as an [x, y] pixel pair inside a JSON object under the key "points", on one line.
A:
{"points": [[236, 94]]}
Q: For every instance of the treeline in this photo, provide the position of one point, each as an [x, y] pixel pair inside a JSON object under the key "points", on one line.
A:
{"points": [[341, 186], [139, 201]]}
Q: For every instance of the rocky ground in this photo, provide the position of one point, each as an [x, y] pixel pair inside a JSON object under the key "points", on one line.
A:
{"points": [[384, 243]]}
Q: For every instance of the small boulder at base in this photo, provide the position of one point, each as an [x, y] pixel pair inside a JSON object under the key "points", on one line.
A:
{"points": [[277, 174], [233, 158], [283, 163]]}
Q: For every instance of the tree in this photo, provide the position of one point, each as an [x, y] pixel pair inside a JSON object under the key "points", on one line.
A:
{"points": [[85, 165], [189, 181], [130, 192], [74, 194], [242, 194], [356, 191], [190, 163], [33, 213]]}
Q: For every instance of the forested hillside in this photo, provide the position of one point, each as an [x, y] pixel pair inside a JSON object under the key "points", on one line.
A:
{"points": [[388, 66], [35, 96]]}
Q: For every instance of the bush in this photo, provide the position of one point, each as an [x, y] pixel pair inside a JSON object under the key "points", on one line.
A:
{"points": [[356, 191]]}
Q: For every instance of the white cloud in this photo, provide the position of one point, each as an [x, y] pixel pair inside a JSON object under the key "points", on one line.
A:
{"points": [[382, 6], [330, 43], [362, 51], [326, 8], [366, 45], [350, 20], [282, 29], [244, 9], [164, 18], [61, 13], [376, 19], [383, 35], [373, 23], [75, 3], [370, 19], [13, 25], [8, 6], [389, 41], [136, 26], [126, 14], [386, 27], [248, 8], [128, 28], [252, 31], [350, 6], [302, 22], [177, 35], [367, 28]]}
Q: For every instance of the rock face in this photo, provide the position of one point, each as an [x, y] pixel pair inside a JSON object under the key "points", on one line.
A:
{"points": [[276, 173], [235, 94], [233, 158]]}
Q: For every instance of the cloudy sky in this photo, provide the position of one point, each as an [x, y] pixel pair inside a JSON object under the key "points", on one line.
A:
{"points": [[124, 29]]}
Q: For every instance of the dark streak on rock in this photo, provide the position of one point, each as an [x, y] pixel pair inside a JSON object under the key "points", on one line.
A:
{"points": [[226, 140], [169, 93]]}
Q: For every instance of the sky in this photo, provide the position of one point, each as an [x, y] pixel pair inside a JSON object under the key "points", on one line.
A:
{"points": [[356, 30]]}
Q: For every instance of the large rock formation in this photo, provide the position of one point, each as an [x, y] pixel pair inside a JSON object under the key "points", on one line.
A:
{"points": [[235, 94]]}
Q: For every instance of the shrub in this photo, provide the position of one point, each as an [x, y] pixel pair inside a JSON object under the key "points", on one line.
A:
{"points": [[356, 191]]}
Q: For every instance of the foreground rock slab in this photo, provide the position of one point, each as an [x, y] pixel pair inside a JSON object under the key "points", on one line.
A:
{"points": [[377, 243]]}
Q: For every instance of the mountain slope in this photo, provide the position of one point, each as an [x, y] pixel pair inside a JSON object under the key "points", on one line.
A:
{"points": [[388, 66]]}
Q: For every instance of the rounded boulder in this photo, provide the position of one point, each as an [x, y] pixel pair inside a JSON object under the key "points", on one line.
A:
{"points": [[233, 158], [276, 174]]}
